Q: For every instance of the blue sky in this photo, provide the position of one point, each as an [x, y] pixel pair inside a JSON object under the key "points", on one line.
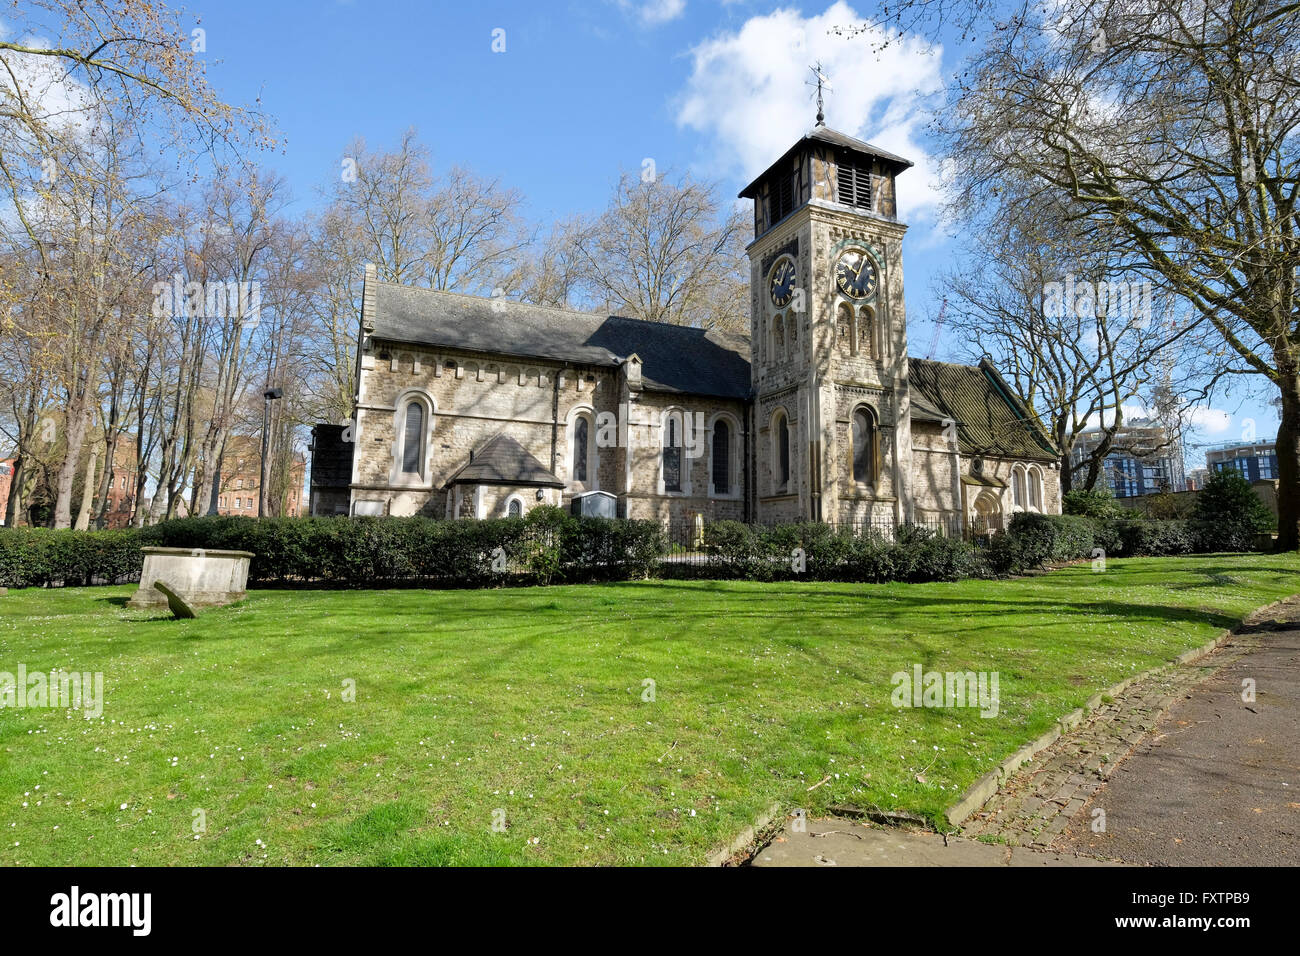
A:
{"points": [[586, 89]]}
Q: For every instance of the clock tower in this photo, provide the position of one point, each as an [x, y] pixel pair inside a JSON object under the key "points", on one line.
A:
{"points": [[829, 336]]}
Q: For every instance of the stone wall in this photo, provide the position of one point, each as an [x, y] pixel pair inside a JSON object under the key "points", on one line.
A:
{"points": [[471, 398]]}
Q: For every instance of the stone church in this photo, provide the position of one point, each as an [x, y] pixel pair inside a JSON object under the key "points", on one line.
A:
{"points": [[480, 407]]}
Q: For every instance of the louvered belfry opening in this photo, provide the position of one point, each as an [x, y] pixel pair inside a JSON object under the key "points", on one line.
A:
{"points": [[853, 177], [782, 197]]}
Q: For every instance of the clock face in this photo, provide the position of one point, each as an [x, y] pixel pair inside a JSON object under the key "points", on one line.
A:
{"points": [[855, 275], [781, 283]]}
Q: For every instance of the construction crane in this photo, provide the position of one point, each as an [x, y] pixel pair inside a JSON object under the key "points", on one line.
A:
{"points": [[938, 327]]}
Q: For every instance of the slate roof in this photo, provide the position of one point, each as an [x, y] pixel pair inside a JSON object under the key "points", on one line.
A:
{"points": [[503, 461], [823, 134], [991, 420], [674, 358]]}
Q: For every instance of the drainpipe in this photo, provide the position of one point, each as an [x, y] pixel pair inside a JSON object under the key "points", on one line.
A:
{"points": [[750, 466], [957, 495], [555, 420]]}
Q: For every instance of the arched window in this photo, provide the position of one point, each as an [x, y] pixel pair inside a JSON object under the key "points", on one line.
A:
{"points": [[514, 508], [792, 332], [672, 453], [581, 436], [867, 331], [863, 441], [844, 328], [1035, 489], [781, 452], [721, 457], [1018, 487], [413, 439], [778, 338]]}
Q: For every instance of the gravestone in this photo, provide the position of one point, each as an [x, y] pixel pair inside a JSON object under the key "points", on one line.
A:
{"points": [[175, 601]]}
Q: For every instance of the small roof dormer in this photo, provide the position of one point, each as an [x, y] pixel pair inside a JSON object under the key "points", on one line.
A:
{"points": [[826, 166]]}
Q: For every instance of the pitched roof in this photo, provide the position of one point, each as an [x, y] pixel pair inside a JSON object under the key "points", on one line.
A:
{"points": [[832, 137], [503, 461], [674, 358], [990, 419]]}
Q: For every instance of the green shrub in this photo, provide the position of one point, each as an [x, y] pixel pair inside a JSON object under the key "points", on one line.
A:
{"points": [[926, 556], [1039, 539], [604, 549], [872, 557], [1228, 515], [1106, 536], [551, 546], [806, 549], [828, 554], [1091, 503], [1153, 538], [733, 548], [1036, 537], [1004, 555]]}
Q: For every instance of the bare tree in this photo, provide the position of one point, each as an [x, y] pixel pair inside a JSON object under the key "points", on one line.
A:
{"points": [[1081, 336], [90, 89], [552, 273], [242, 228], [457, 231], [1170, 126], [667, 249]]}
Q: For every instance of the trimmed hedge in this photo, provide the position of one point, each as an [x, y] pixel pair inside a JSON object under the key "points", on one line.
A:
{"points": [[551, 546], [547, 545], [1034, 540], [820, 553], [43, 557]]}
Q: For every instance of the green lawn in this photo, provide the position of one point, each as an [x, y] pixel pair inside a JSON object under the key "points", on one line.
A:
{"points": [[530, 701]]}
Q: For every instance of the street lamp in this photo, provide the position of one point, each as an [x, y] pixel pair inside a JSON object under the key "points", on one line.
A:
{"points": [[268, 396]]}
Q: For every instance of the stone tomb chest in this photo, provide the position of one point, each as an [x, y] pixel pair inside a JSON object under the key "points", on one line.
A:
{"points": [[203, 578]]}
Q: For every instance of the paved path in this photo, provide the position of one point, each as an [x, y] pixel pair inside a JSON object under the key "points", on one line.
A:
{"points": [[1034, 807], [1182, 770], [1218, 781], [851, 843]]}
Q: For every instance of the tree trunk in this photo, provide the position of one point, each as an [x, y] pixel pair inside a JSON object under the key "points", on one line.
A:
{"points": [[106, 479], [1288, 461], [75, 428], [214, 494], [13, 506], [87, 492]]}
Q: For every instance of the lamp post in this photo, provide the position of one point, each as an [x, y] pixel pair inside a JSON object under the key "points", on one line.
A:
{"points": [[268, 396]]}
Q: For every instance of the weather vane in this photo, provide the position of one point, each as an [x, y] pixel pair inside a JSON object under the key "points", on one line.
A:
{"points": [[822, 82]]}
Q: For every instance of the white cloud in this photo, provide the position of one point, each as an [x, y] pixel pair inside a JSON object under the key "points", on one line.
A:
{"points": [[45, 84], [652, 13], [747, 92], [1201, 418], [1213, 421]]}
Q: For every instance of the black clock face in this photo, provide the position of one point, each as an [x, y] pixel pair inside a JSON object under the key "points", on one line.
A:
{"points": [[855, 275], [781, 284]]}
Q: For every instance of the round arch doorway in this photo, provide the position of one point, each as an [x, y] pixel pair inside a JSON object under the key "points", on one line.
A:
{"points": [[988, 513]]}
